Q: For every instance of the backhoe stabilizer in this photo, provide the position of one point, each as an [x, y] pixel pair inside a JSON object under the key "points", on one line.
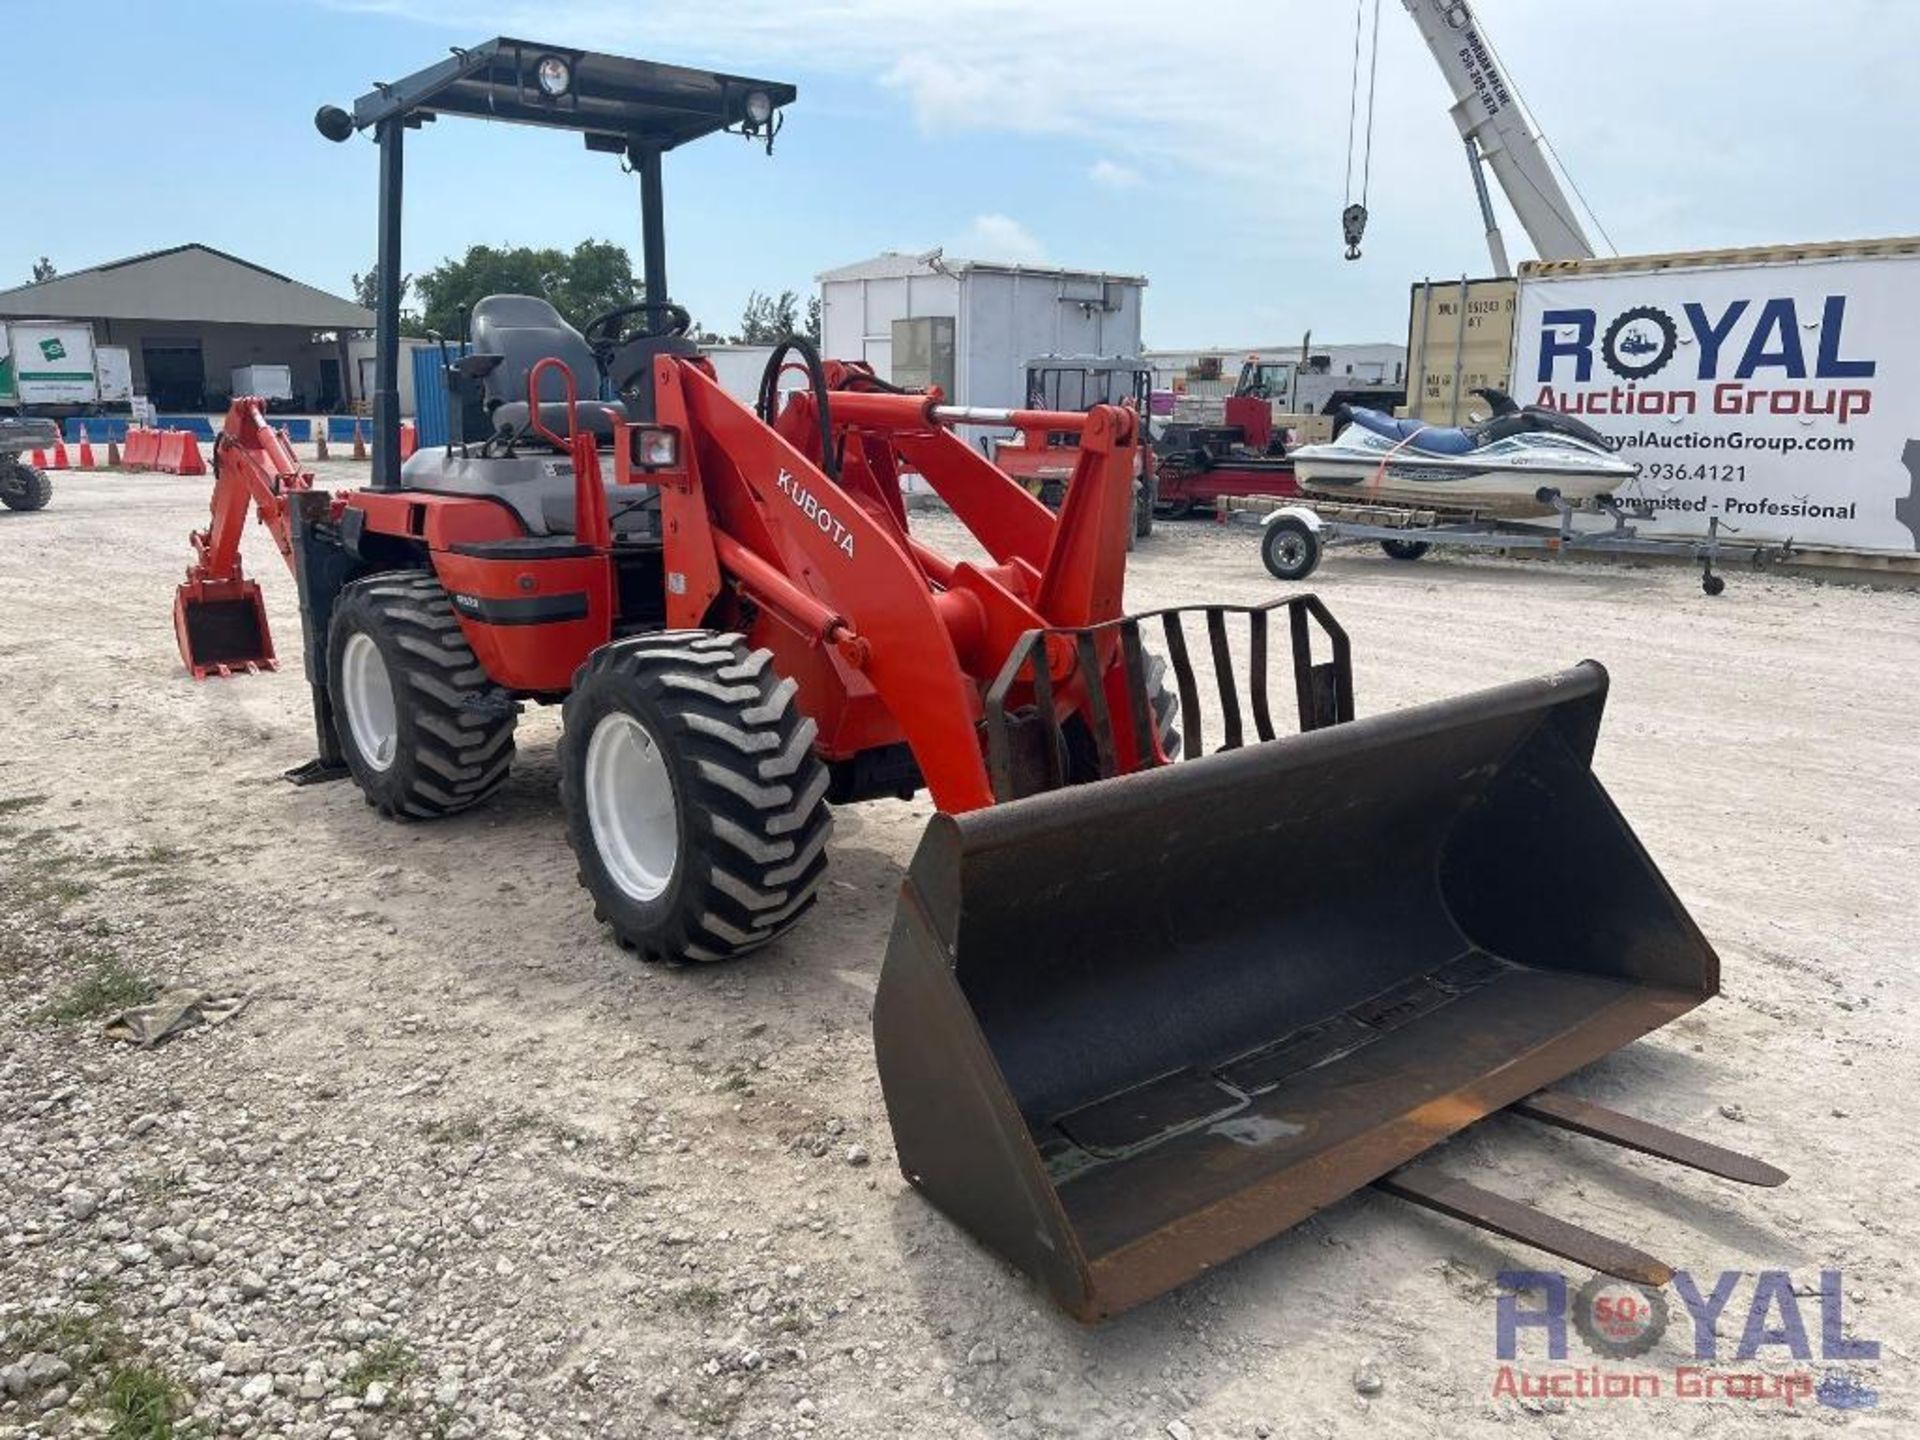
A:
{"points": [[1129, 1029]]}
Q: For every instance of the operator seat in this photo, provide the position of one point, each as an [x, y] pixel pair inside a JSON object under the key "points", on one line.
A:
{"points": [[524, 330]]}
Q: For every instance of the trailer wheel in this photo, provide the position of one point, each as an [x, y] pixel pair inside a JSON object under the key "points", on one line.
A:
{"points": [[1143, 508], [25, 487], [1405, 549], [695, 804], [1712, 583], [424, 731], [1178, 508], [1289, 548]]}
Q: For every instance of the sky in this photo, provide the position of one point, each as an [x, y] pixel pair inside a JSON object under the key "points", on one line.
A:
{"points": [[1204, 145]]}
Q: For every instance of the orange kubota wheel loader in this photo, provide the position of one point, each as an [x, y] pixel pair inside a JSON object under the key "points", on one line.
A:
{"points": [[1135, 1016]]}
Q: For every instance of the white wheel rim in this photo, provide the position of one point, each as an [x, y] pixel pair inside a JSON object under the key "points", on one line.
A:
{"points": [[631, 807], [366, 692]]}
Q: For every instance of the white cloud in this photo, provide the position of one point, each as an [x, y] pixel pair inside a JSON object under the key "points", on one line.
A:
{"points": [[1000, 237], [1112, 175]]}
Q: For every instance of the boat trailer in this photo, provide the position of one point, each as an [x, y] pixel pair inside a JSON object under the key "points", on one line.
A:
{"points": [[1298, 532]]}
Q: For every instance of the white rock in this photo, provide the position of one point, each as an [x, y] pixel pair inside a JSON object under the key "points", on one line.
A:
{"points": [[376, 1396], [257, 1389], [1179, 1430]]}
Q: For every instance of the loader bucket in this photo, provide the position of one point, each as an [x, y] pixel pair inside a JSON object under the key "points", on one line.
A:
{"points": [[1129, 1029], [222, 627]]}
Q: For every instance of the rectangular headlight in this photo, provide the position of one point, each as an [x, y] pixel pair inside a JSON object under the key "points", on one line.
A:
{"points": [[656, 447]]}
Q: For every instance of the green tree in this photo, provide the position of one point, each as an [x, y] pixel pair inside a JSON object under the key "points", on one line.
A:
{"points": [[768, 318], [596, 276], [813, 317], [43, 270], [366, 288]]}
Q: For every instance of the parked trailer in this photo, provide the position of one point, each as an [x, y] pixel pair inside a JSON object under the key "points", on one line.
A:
{"points": [[1296, 535], [47, 367]]}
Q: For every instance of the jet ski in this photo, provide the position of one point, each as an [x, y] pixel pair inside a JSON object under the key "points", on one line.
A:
{"points": [[1510, 465]]}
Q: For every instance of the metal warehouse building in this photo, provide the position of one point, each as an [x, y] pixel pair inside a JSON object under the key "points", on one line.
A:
{"points": [[971, 326], [192, 315]]}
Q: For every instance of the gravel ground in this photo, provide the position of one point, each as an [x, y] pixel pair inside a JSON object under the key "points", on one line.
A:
{"points": [[462, 1168]]}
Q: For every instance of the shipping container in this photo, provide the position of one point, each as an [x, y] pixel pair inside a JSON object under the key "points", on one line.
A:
{"points": [[1459, 339]]}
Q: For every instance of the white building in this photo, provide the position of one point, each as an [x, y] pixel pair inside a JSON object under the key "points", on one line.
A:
{"points": [[971, 326]]}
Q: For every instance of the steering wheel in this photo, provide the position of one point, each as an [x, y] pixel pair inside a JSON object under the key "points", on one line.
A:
{"points": [[607, 332]]}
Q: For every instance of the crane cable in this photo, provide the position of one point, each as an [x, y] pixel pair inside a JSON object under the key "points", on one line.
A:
{"points": [[1353, 216]]}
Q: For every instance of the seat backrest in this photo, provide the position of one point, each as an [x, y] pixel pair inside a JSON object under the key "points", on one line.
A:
{"points": [[524, 330]]}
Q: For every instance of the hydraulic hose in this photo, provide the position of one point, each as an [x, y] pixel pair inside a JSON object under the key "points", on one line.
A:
{"points": [[769, 406]]}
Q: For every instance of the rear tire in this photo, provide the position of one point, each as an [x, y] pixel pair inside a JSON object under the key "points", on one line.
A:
{"points": [[424, 731], [1405, 549], [1289, 548], [24, 487], [695, 804], [1143, 506]]}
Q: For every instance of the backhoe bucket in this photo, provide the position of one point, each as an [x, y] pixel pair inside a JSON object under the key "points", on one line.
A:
{"points": [[221, 626], [1129, 1029]]}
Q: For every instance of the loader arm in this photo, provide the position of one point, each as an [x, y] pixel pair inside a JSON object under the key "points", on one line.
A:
{"points": [[926, 633]]}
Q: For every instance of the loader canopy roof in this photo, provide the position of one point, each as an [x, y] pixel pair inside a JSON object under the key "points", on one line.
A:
{"points": [[613, 100]]}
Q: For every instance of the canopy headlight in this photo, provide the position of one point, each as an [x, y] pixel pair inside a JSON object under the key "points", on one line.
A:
{"points": [[759, 109], [554, 75]]}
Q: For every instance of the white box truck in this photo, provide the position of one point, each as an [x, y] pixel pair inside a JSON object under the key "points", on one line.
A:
{"points": [[47, 367], [113, 368], [1777, 389], [270, 383]]}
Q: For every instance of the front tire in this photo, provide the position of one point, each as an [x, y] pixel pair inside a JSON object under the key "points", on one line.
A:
{"points": [[695, 804], [25, 487], [424, 731]]}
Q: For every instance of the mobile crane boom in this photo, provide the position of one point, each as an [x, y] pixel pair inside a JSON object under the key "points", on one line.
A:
{"points": [[1498, 134]]}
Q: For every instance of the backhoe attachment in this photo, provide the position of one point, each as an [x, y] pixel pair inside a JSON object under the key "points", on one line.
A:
{"points": [[219, 619]]}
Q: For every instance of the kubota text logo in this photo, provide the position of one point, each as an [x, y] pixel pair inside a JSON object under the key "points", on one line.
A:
{"points": [[1743, 350], [817, 514]]}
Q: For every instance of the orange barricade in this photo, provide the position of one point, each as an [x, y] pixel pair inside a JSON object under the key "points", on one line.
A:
{"points": [[142, 447], [179, 454]]}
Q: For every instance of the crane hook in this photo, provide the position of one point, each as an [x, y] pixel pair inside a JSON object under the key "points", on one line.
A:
{"points": [[1353, 221]]}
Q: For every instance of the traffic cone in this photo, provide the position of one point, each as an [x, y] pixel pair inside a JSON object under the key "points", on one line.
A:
{"points": [[39, 459], [86, 450], [320, 441], [60, 460], [359, 442], [113, 452]]}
